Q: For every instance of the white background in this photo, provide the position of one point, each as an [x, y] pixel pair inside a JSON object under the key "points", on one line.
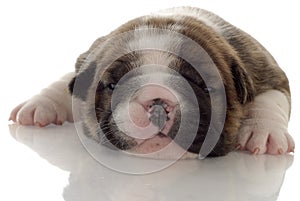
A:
{"points": [[40, 41]]}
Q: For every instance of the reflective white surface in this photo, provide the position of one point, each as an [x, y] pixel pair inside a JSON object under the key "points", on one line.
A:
{"points": [[238, 176], [40, 42]]}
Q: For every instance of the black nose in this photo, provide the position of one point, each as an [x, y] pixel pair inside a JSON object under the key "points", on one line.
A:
{"points": [[158, 112]]}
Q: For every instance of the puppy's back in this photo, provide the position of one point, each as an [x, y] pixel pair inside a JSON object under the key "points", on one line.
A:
{"points": [[259, 63]]}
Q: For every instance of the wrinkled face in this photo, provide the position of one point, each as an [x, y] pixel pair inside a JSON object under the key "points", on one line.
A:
{"points": [[145, 98], [146, 89]]}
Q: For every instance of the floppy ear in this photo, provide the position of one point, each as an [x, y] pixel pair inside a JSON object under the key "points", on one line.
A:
{"points": [[80, 84], [242, 81], [71, 85]]}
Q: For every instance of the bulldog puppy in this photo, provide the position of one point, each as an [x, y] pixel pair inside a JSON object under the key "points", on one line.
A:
{"points": [[142, 62]]}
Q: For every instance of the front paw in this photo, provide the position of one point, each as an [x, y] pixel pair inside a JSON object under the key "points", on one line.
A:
{"points": [[261, 136], [39, 111]]}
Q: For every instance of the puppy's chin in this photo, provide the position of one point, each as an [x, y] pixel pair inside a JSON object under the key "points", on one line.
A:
{"points": [[160, 146]]}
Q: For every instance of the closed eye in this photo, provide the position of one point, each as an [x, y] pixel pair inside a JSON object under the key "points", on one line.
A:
{"points": [[111, 86]]}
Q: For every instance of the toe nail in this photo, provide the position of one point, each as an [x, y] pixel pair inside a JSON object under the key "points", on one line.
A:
{"points": [[38, 124], [256, 151], [280, 151], [238, 147], [59, 122]]}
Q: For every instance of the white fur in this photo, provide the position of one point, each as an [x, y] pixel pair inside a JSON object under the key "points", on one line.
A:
{"points": [[145, 37], [52, 105], [265, 129], [158, 75], [148, 38], [201, 15], [149, 41]]}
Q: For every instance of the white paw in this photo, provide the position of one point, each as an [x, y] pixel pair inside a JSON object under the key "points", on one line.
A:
{"points": [[261, 136], [265, 129], [39, 111]]}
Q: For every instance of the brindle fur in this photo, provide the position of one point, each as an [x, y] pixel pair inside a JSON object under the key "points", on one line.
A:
{"points": [[247, 69]]}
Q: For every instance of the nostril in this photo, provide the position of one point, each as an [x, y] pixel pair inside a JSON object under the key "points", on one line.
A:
{"points": [[167, 109], [148, 106]]}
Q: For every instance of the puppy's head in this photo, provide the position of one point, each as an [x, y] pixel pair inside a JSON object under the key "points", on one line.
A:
{"points": [[153, 93]]}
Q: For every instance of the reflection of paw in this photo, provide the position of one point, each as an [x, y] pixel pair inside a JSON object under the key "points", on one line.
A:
{"points": [[261, 136], [39, 111]]}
